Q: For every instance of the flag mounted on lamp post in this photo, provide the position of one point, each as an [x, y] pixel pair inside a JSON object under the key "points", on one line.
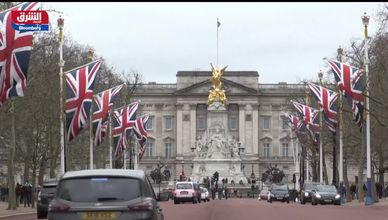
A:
{"points": [[123, 123], [15, 50], [79, 96], [326, 99], [103, 103], [349, 83], [218, 23], [141, 133], [310, 119]]}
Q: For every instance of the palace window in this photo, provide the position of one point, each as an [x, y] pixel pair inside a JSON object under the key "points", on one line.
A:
{"points": [[201, 123], [167, 150], [168, 123], [149, 124], [266, 150], [266, 122], [285, 150], [149, 147]]}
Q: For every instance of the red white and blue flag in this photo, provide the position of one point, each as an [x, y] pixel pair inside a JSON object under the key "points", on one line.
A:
{"points": [[79, 95], [310, 119], [294, 122], [326, 99], [123, 123], [141, 133], [103, 103], [15, 50], [349, 82]]}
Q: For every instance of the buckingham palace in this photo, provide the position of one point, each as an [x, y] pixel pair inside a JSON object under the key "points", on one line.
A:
{"points": [[255, 117]]}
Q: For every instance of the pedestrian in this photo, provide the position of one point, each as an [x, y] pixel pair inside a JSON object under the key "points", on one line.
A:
{"points": [[213, 191], [18, 191], [226, 191], [27, 190]]}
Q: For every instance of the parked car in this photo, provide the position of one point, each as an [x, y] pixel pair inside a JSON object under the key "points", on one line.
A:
{"points": [[279, 192], [325, 194], [263, 195], [45, 195], [205, 195], [105, 194], [306, 191], [185, 192]]}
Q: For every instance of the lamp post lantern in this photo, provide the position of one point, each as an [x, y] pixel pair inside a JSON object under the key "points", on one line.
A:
{"points": [[368, 200]]}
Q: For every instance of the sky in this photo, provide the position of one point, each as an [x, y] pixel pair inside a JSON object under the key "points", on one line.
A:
{"points": [[284, 42]]}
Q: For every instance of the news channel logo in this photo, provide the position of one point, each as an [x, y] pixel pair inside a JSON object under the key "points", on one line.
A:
{"points": [[30, 20]]}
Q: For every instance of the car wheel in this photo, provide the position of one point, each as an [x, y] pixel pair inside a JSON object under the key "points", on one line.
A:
{"points": [[288, 201], [40, 214], [194, 200], [176, 201]]}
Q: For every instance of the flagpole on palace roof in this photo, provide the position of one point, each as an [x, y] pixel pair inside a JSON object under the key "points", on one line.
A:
{"points": [[341, 162], [60, 23], [368, 200], [218, 25]]}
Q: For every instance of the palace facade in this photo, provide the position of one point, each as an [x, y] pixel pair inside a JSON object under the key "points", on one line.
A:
{"points": [[255, 112]]}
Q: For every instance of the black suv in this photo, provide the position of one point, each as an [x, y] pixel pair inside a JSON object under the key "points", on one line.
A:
{"points": [[306, 191], [279, 192], [45, 196]]}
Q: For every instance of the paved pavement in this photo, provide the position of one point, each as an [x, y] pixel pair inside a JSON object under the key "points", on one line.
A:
{"points": [[21, 210]]}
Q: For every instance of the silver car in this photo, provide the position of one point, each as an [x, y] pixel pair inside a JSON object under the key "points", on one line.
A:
{"points": [[106, 194]]}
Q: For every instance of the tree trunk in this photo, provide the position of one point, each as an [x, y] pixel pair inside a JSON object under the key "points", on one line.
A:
{"points": [[325, 177], [33, 194], [42, 168], [346, 181], [11, 155]]}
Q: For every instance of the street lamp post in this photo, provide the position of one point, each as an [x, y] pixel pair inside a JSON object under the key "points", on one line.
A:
{"points": [[341, 162], [368, 201], [320, 75], [60, 23]]}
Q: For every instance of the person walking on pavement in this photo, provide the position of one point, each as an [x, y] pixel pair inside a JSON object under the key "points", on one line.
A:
{"points": [[226, 191], [18, 191], [27, 190]]}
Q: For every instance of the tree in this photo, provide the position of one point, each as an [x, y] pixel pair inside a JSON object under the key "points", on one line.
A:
{"points": [[273, 175]]}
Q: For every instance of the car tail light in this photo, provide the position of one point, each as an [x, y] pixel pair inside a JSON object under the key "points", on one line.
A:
{"points": [[58, 207], [193, 193], [145, 205]]}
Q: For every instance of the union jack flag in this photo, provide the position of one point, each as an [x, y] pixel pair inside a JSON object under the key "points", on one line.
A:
{"points": [[141, 133], [294, 122], [310, 119], [15, 50], [79, 95], [326, 99], [103, 102], [350, 85], [123, 123]]}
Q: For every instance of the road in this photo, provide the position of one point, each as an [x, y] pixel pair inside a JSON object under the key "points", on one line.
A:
{"points": [[241, 209]]}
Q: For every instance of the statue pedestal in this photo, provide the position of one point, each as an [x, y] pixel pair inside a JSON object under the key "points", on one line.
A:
{"points": [[227, 168], [217, 150]]}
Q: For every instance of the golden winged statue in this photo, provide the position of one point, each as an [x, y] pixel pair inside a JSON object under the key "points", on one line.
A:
{"points": [[216, 93]]}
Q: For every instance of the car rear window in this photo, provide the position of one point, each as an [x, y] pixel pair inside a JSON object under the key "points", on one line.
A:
{"points": [[184, 186], [99, 189]]}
